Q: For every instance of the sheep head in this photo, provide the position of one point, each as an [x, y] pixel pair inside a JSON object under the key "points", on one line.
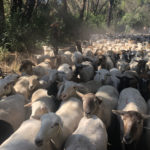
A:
{"points": [[38, 109], [51, 125], [33, 82], [132, 125], [90, 103]]}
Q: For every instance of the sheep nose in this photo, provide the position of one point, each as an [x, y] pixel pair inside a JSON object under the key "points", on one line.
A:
{"points": [[39, 142], [31, 87], [127, 139], [87, 114]]}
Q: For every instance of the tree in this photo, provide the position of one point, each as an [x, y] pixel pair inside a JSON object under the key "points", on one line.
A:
{"points": [[29, 7], [65, 6], [2, 17], [16, 6], [111, 3], [83, 9]]}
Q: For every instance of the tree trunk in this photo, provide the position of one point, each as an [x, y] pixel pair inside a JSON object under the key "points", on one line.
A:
{"points": [[29, 9], [16, 6], [83, 9], [100, 9], [2, 18], [111, 3], [65, 6], [96, 7]]}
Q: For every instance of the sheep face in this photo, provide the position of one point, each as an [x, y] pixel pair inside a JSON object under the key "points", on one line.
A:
{"points": [[132, 125], [67, 89], [102, 75], [50, 127], [6, 89], [90, 103], [33, 82], [38, 109]]}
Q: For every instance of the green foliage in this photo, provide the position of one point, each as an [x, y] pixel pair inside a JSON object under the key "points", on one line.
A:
{"points": [[23, 34]]}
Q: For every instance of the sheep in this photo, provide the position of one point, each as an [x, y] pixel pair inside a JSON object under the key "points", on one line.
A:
{"points": [[128, 79], [12, 106], [68, 89], [132, 110], [90, 134], [147, 135], [85, 71], [65, 58], [42, 68], [101, 103], [122, 65], [77, 57], [103, 76], [26, 85], [24, 137], [58, 126], [114, 72], [65, 71], [41, 103], [106, 62], [92, 85], [6, 84]]}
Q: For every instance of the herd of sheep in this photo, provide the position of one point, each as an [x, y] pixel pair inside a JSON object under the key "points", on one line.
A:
{"points": [[94, 96]]}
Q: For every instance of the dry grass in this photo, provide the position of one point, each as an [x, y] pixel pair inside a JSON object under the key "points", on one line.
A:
{"points": [[10, 62]]}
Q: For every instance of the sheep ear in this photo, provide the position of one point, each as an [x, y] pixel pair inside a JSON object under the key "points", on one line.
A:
{"points": [[79, 94], [28, 105], [144, 116], [99, 100], [118, 112]]}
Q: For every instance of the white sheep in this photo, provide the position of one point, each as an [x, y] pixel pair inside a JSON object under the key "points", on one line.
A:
{"points": [[26, 85], [41, 103], [103, 76], [68, 89], [114, 72], [101, 104], [58, 127], [132, 110], [65, 71], [91, 134], [6, 84], [23, 138], [42, 68], [12, 110], [77, 57], [65, 57], [147, 128]]}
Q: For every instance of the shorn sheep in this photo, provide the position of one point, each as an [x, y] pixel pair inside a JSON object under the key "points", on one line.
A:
{"points": [[132, 110], [23, 138], [90, 135], [26, 85], [12, 113], [101, 103], [58, 127], [41, 103]]}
